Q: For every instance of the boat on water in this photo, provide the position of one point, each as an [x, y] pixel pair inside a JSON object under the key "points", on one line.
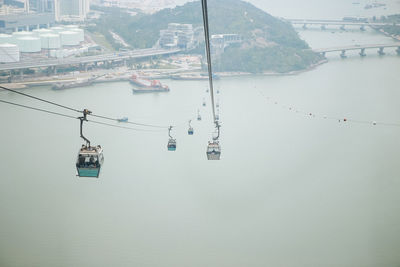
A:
{"points": [[374, 5], [76, 83], [143, 85], [123, 119], [72, 84]]}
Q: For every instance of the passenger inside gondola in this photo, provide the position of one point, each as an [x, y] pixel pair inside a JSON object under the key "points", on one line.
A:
{"points": [[91, 160], [81, 161]]}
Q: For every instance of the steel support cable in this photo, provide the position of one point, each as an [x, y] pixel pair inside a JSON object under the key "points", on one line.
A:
{"points": [[73, 117], [38, 109], [79, 111], [183, 123], [124, 127], [208, 53], [130, 122], [40, 99]]}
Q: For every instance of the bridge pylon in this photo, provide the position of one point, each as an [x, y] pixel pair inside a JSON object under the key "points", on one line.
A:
{"points": [[362, 52], [380, 51], [398, 50]]}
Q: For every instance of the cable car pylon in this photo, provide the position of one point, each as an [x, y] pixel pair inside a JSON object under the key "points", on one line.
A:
{"points": [[90, 159]]}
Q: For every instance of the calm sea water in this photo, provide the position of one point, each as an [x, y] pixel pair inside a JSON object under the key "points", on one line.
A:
{"points": [[290, 190]]}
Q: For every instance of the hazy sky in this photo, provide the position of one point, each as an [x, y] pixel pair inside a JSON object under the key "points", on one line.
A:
{"points": [[322, 8]]}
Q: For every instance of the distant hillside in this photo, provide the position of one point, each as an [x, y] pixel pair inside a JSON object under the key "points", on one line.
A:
{"points": [[269, 44]]}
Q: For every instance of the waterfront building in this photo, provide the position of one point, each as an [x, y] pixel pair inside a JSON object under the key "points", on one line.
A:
{"points": [[71, 10], [177, 35], [26, 15], [220, 41], [167, 39], [25, 21], [41, 6]]}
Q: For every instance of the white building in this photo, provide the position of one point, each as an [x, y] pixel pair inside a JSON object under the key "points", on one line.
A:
{"points": [[71, 10], [221, 41], [177, 35]]}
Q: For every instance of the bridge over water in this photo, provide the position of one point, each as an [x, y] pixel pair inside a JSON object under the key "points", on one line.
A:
{"points": [[362, 49], [324, 22]]}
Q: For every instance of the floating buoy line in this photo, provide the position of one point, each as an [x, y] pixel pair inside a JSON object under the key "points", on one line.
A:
{"points": [[344, 119]]}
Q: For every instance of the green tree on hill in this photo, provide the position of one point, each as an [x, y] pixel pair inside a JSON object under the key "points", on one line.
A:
{"points": [[269, 44]]}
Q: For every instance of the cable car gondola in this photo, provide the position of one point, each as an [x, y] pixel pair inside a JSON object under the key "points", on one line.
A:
{"points": [[213, 148], [90, 159], [171, 142], [198, 115], [190, 130]]}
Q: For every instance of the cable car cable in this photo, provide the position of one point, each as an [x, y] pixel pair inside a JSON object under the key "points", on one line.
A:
{"points": [[134, 123], [73, 117], [79, 111], [40, 99], [213, 149], [38, 109], [208, 53], [123, 127]]}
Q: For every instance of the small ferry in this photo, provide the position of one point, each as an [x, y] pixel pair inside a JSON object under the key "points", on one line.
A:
{"points": [[123, 119]]}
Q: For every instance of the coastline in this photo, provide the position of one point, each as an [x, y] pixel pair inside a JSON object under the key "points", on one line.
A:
{"points": [[117, 75], [271, 73], [393, 36]]}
